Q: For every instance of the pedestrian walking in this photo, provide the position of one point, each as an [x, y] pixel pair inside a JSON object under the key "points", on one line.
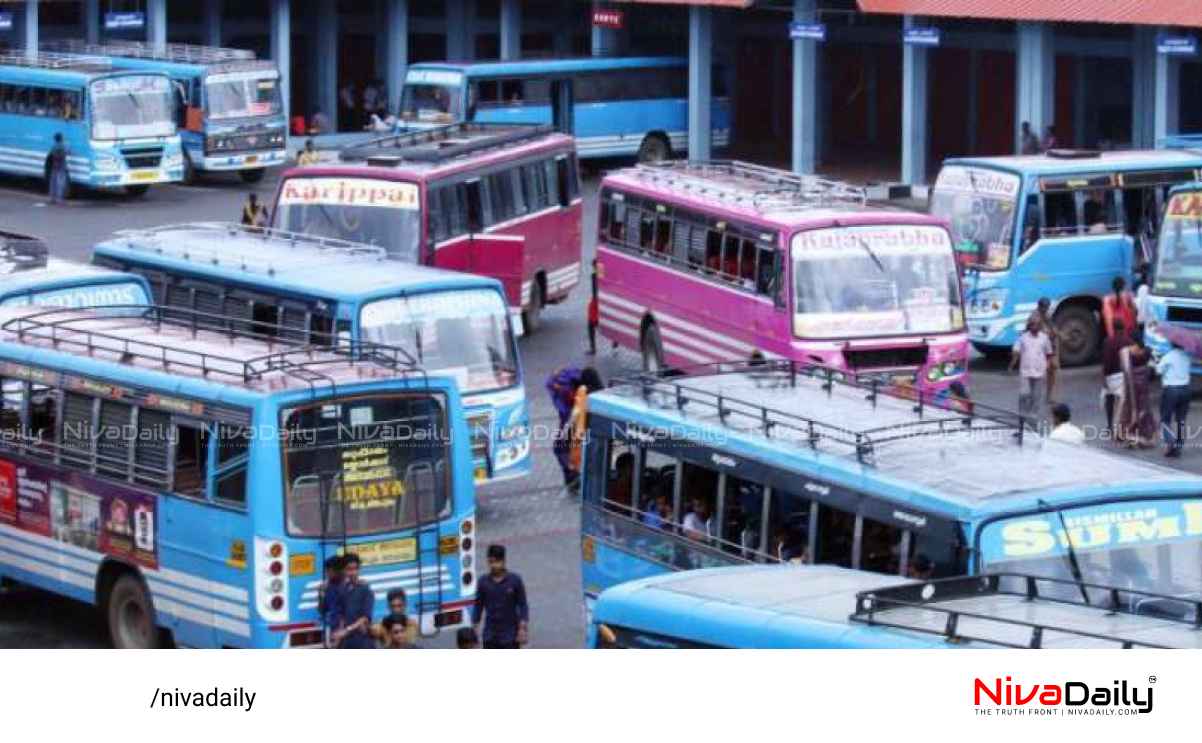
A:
{"points": [[1113, 380], [590, 382], [1063, 429], [1043, 315], [357, 602], [1029, 142], [253, 213], [1174, 371], [561, 386], [59, 180], [308, 156], [501, 605], [1032, 353], [1118, 305]]}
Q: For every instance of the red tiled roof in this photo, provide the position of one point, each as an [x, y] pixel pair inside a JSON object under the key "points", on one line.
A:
{"points": [[716, 3], [1139, 12]]}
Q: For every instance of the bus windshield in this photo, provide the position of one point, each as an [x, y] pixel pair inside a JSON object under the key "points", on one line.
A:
{"points": [[874, 280], [1179, 251], [363, 210], [432, 95], [1153, 545], [241, 95], [132, 106], [464, 335], [365, 464], [979, 205]]}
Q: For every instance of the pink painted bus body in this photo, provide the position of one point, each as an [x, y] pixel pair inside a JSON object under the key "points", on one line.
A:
{"points": [[689, 314], [534, 253]]}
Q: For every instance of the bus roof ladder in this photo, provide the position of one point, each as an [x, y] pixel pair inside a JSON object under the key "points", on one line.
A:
{"points": [[444, 143], [21, 253], [186, 53], [750, 185], [905, 606]]}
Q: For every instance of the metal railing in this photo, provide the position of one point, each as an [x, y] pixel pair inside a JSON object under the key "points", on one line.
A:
{"points": [[443, 143], [881, 608], [192, 53], [50, 60], [749, 185]]}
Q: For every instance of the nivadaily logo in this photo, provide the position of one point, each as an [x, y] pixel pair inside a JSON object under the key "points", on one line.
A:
{"points": [[1061, 698]]}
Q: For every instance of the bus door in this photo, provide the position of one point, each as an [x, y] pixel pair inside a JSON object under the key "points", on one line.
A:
{"points": [[563, 105], [500, 257]]}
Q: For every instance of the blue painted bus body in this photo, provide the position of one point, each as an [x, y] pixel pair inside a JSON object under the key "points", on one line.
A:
{"points": [[98, 156], [294, 269], [1024, 231], [207, 565], [69, 285], [608, 120]]}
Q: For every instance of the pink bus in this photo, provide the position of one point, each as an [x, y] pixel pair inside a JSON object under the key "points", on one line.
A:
{"points": [[702, 262], [497, 200]]}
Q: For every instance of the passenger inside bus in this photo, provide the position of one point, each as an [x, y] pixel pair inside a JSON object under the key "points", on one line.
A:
{"points": [[620, 493]]}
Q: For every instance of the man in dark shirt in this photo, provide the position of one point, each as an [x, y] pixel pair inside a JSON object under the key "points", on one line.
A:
{"points": [[357, 602], [329, 603], [58, 170], [502, 596], [1113, 382]]}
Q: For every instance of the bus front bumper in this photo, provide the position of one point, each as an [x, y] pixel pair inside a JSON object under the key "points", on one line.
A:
{"points": [[244, 160], [995, 331], [139, 177]]}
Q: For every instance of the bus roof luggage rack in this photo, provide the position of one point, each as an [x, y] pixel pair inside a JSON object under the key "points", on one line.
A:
{"points": [[974, 609], [171, 53], [442, 143], [55, 61], [155, 240], [673, 389], [755, 186], [1061, 153], [21, 253], [68, 328]]}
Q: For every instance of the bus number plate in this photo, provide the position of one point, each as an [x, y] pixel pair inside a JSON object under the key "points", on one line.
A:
{"points": [[386, 552], [252, 159], [144, 175], [481, 474]]}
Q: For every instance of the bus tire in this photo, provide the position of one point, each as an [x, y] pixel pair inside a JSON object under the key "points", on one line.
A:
{"points": [[653, 350], [137, 191], [254, 175], [1080, 334], [654, 148], [130, 615], [532, 315]]}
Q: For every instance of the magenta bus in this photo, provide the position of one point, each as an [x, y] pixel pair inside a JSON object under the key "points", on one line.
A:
{"points": [[496, 200], [702, 262]]}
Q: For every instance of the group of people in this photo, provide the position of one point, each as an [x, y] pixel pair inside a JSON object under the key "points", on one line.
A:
{"points": [[346, 603], [1128, 373], [1031, 144], [357, 107]]}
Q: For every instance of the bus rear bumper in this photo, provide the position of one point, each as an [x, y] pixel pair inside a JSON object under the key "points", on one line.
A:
{"points": [[243, 161]]}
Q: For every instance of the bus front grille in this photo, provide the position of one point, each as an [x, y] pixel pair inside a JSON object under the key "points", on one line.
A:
{"points": [[885, 358], [143, 157]]}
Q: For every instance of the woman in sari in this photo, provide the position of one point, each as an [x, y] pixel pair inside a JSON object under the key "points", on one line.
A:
{"points": [[1136, 424]]}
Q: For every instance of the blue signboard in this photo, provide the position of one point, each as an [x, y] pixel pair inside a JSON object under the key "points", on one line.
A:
{"points": [[921, 36], [118, 21], [6, 21], [810, 31], [1177, 45]]}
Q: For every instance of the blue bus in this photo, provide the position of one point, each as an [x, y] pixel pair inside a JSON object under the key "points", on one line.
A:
{"points": [[314, 289], [1174, 289], [827, 607], [228, 103], [775, 462], [614, 106], [1061, 225], [117, 125], [31, 276], [191, 482]]}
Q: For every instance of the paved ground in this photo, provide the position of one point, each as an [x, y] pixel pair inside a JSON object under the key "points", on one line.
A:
{"points": [[532, 516]]}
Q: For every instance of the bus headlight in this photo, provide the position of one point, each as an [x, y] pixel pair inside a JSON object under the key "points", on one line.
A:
{"points": [[987, 303], [276, 138], [106, 161]]}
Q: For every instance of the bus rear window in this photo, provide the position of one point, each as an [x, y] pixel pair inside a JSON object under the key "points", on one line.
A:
{"points": [[365, 465]]}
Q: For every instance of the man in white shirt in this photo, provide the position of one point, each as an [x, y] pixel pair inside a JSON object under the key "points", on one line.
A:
{"points": [[1175, 393], [1032, 353], [696, 524], [1062, 427]]}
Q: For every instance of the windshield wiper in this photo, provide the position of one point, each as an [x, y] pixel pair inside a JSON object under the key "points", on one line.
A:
{"points": [[867, 249], [1073, 563], [134, 98]]}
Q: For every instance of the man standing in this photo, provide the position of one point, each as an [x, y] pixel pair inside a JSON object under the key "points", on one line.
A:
{"points": [[1030, 143], [357, 602], [1043, 315], [308, 156], [59, 178], [329, 602], [1032, 354], [1174, 371], [502, 596]]}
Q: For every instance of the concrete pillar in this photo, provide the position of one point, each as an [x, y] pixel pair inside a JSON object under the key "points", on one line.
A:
{"points": [[398, 51], [29, 26], [327, 51], [1036, 85], [1166, 100], [915, 102], [211, 22], [701, 48], [871, 90], [606, 42], [805, 93], [281, 50], [156, 23], [511, 29], [461, 37], [974, 97], [91, 21], [1143, 81]]}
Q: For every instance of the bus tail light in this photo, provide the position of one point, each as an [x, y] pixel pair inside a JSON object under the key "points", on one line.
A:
{"points": [[271, 589], [449, 619], [466, 527], [468, 577], [467, 553]]}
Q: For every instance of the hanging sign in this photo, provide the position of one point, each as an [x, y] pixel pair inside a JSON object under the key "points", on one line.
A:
{"points": [[921, 36], [808, 31], [119, 21]]}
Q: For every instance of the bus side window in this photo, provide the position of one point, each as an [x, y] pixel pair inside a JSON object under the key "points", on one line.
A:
{"points": [[619, 482], [112, 441], [657, 490], [520, 206], [647, 230], [562, 176], [437, 226], [44, 414], [617, 218], [880, 547], [152, 450], [1032, 226], [730, 257], [72, 105], [713, 251], [788, 532], [700, 486], [191, 458], [767, 272], [486, 93], [681, 243], [12, 400], [511, 92], [77, 434], [1101, 212], [38, 101], [836, 536], [743, 517], [1060, 214], [454, 203], [229, 478], [475, 207]]}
